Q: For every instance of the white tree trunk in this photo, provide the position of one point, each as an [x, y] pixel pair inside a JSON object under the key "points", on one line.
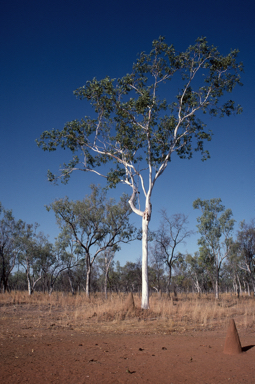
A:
{"points": [[217, 288], [145, 285], [29, 286], [146, 215], [88, 282]]}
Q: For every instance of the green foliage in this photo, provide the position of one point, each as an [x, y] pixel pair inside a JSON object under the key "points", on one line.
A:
{"points": [[10, 230], [246, 250], [134, 121], [95, 221], [215, 227], [93, 225]]}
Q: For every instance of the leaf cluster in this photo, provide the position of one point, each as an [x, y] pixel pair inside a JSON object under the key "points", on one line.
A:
{"points": [[133, 119]]}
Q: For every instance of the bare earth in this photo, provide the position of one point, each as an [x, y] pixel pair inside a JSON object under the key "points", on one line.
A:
{"points": [[50, 353]]}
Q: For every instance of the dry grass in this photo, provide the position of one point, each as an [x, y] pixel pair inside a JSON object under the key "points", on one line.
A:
{"points": [[188, 312]]}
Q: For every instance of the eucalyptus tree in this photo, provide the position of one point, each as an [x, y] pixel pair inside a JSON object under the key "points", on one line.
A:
{"points": [[137, 130], [172, 232], [54, 262], [131, 276], [157, 265], [29, 255], [10, 230], [201, 271], [236, 276], [95, 224], [246, 245], [105, 263], [215, 227], [72, 256]]}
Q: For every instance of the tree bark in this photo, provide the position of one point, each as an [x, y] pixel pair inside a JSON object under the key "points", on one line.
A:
{"points": [[169, 279], [145, 285], [70, 282], [29, 286], [105, 285], [217, 286], [88, 281]]}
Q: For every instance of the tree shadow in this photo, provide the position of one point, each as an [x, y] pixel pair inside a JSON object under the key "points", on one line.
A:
{"points": [[244, 349]]}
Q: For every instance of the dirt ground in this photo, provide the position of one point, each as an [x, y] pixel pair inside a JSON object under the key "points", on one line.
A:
{"points": [[48, 353]]}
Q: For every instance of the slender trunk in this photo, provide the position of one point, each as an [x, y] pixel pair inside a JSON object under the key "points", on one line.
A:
{"points": [[146, 215], [169, 280], [107, 264], [217, 280], [235, 287], [71, 283], [29, 286], [253, 284], [88, 274], [88, 281], [145, 285], [217, 288], [105, 286], [239, 286], [248, 289], [197, 286], [51, 289]]}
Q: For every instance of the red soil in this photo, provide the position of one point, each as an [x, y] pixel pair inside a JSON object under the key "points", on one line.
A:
{"points": [[67, 356], [48, 353]]}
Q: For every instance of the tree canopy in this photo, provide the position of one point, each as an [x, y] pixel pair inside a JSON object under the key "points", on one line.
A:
{"points": [[137, 128], [215, 226], [94, 224]]}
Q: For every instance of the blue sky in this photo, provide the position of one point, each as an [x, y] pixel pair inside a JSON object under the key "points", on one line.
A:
{"points": [[50, 48]]}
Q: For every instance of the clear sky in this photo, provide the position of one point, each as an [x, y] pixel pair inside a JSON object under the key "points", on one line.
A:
{"points": [[49, 48]]}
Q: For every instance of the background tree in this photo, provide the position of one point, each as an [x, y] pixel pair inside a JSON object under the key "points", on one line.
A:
{"points": [[18, 281], [73, 255], [114, 277], [31, 257], [105, 262], [131, 276], [157, 266], [56, 261], [96, 224], [232, 269], [246, 243], [215, 241], [138, 130], [201, 271], [196, 271], [172, 232], [10, 230]]}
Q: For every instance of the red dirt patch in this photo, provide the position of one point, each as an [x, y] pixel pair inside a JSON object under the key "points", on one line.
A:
{"points": [[56, 354]]}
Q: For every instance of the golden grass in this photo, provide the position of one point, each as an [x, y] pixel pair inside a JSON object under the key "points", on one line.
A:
{"points": [[186, 313]]}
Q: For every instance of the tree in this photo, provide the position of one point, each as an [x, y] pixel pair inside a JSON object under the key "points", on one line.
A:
{"points": [[137, 130], [105, 263], [157, 266], [55, 261], [96, 224], [199, 271], [71, 254], [33, 246], [10, 230], [216, 241], [236, 276], [246, 243], [131, 276], [172, 232]]}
